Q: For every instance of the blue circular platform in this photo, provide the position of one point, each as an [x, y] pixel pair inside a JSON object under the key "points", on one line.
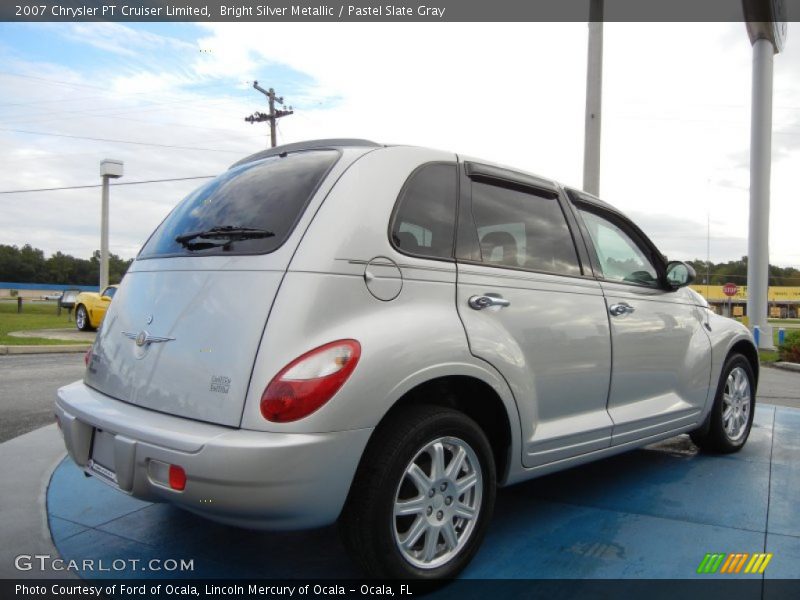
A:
{"points": [[651, 513]]}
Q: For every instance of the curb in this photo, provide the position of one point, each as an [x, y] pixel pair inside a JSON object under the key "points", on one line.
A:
{"points": [[787, 366], [44, 349]]}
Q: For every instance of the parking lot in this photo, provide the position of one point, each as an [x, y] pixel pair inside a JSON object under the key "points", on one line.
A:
{"points": [[651, 513]]}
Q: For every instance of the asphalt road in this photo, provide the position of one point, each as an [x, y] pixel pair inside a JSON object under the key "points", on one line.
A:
{"points": [[28, 385], [780, 387]]}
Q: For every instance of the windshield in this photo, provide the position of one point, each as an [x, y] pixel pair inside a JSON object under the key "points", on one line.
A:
{"points": [[269, 195]]}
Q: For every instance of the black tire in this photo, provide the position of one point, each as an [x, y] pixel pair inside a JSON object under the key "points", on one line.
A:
{"points": [[714, 436], [368, 526], [82, 321]]}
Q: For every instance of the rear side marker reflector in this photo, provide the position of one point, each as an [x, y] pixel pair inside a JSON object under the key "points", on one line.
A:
{"points": [[308, 382], [177, 478]]}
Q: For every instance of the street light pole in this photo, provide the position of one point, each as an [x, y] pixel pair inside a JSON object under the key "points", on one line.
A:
{"points": [[760, 159], [109, 169], [767, 38], [594, 96]]}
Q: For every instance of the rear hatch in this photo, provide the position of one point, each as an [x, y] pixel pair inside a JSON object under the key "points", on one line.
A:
{"points": [[182, 332]]}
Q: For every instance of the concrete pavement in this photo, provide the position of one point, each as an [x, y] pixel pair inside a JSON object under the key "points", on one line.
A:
{"points": [[67, 333], [82, 341], [26, 463], [780, 387]]}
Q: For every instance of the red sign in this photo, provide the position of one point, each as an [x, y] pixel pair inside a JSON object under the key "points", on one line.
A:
{"points": [[730, 289]]}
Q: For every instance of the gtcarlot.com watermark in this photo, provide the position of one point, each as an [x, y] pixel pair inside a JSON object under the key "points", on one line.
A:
{"points": [[45, 562]]}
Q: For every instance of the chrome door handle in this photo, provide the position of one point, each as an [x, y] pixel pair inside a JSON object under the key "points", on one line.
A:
{"points": [[621, 308], [487, 300]]}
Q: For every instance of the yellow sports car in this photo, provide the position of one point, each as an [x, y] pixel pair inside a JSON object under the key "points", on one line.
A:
{"points": [[91, 307]]}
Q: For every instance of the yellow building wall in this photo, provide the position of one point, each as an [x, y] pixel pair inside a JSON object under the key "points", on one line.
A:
{"points": [[713, 293]]}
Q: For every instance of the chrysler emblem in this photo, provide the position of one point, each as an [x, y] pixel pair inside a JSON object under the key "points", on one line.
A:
{"points": [[143, 338]]}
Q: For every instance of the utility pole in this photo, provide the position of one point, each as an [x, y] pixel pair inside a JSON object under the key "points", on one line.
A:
{"points": [[273, 115]]}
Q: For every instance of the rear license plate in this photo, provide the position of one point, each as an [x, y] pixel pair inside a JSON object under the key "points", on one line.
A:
{"points": [[102, 456]]}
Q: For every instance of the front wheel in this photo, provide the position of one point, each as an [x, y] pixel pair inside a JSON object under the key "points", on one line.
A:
{"points": [[731, 418], [422, 497], [82, 318]]}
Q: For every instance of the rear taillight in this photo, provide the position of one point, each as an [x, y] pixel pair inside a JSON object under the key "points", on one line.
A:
{"points": [[308, 382], [87, 357]]}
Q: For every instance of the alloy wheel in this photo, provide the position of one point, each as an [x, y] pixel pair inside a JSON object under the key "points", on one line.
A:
{"points": [[736, 403], [437, 502]]}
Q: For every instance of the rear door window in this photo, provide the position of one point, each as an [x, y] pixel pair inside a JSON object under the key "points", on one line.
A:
{"points": [[424, 219], [269, 195]]}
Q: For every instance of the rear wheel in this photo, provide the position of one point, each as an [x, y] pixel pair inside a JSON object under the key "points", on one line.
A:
{"points": [[422, 497], [82, 318], [728, 425]]}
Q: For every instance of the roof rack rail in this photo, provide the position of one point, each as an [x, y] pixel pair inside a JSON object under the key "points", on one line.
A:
{"points": [[307, 145]]}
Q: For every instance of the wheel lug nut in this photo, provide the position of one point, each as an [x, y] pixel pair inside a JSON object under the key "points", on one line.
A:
{"points": [[443, 487], [439, 515], [430, 510], [431, 493], [448, 500]]}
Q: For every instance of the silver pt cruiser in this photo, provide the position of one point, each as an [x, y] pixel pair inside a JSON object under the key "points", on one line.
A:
{"points": [[382, 335]]}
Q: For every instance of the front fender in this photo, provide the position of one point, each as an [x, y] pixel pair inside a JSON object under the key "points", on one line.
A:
{"points": [[725, 334]]}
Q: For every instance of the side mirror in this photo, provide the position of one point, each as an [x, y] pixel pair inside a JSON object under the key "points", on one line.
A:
{"points": [[105, 298], [679, 274]]}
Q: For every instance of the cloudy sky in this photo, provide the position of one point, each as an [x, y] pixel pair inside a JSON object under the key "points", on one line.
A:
{"points": [[169, 100]]}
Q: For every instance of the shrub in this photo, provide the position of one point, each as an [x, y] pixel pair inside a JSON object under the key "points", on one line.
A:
{"points": [[789, 350], [13, 293]]}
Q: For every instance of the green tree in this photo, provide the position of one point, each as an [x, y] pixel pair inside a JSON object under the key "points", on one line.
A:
{"points": [[28, 265]]}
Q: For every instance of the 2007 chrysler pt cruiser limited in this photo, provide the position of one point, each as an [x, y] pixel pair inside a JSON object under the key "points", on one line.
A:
{"points": [[382, 335]]}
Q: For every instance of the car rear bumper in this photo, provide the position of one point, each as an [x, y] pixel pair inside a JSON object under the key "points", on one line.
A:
{"points": [[234, 476]]}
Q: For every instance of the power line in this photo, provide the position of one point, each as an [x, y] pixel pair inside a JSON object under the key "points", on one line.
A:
{"points": [[97, 139], [179, 99], [50, 101], [98, 111], [105, 89], [79, 187], [55, 81], [158, 124]]}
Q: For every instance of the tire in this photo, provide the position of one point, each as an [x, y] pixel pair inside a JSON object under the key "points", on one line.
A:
{"points": [[397, 466], [82, 321], [728, 425]]}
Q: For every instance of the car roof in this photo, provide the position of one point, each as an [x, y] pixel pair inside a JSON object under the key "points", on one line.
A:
{"points": [[329, 143], [307, 145]]}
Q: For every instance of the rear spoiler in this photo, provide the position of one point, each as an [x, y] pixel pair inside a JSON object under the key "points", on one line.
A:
{"points": [[307, 145]]}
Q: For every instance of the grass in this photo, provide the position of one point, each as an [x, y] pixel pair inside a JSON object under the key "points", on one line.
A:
{"points": [[35, 315], [784, 322], [768, 356]]}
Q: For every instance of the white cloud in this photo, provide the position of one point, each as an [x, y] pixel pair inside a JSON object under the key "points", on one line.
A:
{"points": [[118, 38], [675, 122]]}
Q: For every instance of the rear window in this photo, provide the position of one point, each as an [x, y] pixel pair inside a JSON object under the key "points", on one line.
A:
{"points": [[268, 195]]}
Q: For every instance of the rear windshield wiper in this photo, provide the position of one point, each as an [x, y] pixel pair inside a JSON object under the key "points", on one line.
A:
{"points": [[220, 236]]}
